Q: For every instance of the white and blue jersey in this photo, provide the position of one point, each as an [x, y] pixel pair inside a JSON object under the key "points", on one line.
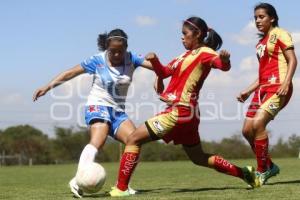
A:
{"points": [[106, 101], [110, 84]]}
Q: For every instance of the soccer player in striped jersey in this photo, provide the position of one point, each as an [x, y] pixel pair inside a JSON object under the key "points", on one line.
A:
{"points": [[104, 112], [272, 89], [180, 120]]}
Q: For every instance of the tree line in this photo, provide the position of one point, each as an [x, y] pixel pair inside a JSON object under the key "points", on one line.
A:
{"points": [[25, 144]]}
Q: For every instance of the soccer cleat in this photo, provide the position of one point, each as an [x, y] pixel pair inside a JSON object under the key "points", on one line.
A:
{"points": [[77, 192], [115, 192], [249, 176], [263, 177], [130, 190]]}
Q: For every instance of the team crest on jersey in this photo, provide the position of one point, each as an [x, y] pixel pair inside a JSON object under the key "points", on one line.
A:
{"points": [[158, 126], [273, 39], [260, 50]]}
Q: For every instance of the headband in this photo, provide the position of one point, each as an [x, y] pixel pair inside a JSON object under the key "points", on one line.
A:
{"points": [[196, 27], [116, 36]]}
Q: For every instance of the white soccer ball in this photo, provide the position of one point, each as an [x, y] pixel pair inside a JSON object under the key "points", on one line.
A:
{"points": [[91, 178]]}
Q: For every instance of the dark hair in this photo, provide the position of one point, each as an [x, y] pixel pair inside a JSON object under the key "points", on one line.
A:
{"points": [[116, 34], [271, 11], [208, 36]]}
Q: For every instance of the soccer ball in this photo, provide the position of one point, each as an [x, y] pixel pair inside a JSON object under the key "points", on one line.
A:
{"points": [[91, 178]]}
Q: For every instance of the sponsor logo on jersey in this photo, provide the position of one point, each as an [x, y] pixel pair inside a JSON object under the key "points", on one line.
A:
{"points": [[158, 126], [273, 106], [260, 50]]}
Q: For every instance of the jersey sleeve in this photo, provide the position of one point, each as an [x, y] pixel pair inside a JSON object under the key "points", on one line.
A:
{"points": [[90, 64], [161, 70], [213, 60], [285, 40], [137, 60]]}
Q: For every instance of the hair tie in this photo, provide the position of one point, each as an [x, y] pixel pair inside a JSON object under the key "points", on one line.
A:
{"points": [[116, 36], [209, 29]]}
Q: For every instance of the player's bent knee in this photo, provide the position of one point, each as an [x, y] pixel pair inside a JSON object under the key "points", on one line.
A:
{"points": [[133, 139], [258, 126]]}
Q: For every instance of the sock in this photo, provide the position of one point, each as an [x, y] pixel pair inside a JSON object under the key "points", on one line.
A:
{"points": [[224, 166], [87, 155], [128, 163], [261, 150], [269, 160]]}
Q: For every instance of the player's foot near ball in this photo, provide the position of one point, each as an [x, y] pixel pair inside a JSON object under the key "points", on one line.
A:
{"points": [[115, 192], [77, 192]]}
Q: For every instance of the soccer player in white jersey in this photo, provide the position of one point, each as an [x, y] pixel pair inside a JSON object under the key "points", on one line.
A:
{"points": [[112, 68]]}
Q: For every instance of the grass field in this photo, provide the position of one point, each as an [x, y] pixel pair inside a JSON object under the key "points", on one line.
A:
{"points": [[154, 180]]}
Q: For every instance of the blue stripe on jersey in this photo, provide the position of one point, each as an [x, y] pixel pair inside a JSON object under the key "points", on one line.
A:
{"points": [[106, 78]]}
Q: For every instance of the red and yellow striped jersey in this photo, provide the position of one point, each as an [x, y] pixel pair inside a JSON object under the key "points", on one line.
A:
{"points": [[272, 63], [188, 72]]}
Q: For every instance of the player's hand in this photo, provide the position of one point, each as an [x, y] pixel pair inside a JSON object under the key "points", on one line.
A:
{"points": [[224, 56], [40, 92], [283, 89], [151, 56], [159, 85], [243, 96]]}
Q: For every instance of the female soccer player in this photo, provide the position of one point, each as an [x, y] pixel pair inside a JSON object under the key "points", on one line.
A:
{"points": [[179, 122], [104, 113], [272, 89]]}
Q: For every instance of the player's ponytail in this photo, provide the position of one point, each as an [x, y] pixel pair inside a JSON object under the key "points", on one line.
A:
{"points": [[208, 36], [213, 40], [102, 41]]}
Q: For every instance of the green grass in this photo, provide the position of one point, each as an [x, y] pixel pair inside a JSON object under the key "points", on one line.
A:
{"points": [[154, 180]]}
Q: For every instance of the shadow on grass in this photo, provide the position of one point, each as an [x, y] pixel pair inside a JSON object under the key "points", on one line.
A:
{"points": [[284, 182], [206, 189], [178, 190], [97, 195], [106, 194]]}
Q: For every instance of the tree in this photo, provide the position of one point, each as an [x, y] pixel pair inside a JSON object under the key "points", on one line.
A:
{"points": [[294, 145], [68, 143], [27, 141]]}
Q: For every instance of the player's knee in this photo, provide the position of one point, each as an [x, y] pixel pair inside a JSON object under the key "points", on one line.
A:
{"points": [[133, 139], [247, 132], [258, 126]]}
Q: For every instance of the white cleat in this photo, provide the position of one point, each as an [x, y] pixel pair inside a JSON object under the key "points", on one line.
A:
{"points": [[131, 191], [77, 192]]}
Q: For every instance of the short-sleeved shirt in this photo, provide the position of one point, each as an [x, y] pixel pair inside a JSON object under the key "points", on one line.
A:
{"points": [[272, 63], [110, 84], [189, 72]]}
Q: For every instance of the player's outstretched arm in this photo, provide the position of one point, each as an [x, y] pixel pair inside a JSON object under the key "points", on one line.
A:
{"points": [[243, 96], [160, 70], [222, 61], [59, 79]]}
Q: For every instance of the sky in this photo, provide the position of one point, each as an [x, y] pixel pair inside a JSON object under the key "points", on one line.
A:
{"points": [[40, 39]]}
